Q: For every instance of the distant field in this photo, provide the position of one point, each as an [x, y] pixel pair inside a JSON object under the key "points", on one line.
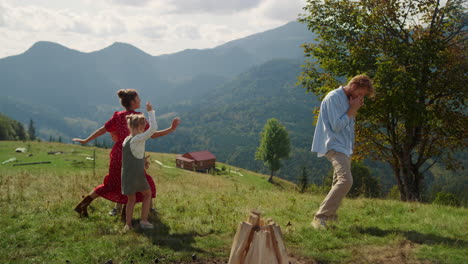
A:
{"points": [[198, 214]]}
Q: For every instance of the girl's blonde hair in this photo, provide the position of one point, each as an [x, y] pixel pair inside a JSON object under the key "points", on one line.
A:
{"points": [[135, 120]]}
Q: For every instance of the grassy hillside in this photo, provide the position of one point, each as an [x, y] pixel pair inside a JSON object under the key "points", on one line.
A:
{"points": [[199, 214]]}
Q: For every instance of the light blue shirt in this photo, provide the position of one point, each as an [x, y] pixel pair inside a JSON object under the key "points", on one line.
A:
{"points": [[334, 129]]}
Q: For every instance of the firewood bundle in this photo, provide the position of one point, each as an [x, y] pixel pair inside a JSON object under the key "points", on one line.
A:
{"points": [[258, 243]]}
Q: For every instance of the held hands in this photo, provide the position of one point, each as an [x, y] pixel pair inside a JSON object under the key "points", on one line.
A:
{"points": [[354, 105], [149, 107], [356, 102]]}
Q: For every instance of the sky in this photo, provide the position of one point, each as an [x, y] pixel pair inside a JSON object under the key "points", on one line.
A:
{"points": [[154, 26]]}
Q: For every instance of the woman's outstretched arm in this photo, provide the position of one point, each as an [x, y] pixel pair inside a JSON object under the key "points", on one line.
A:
{"points": [[161, 133], [99, 132]]}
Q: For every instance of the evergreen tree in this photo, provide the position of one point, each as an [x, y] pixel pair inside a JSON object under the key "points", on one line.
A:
{"points": [[274, 145], [303, 181], [20, 132], [31, 130]]}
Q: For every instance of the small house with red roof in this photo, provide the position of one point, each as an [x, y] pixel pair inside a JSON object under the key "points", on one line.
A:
{"points": [[201, 161]]}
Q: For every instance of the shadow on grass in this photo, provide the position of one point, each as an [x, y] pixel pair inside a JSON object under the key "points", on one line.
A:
{"points": [[416, 237], [161, 235]]}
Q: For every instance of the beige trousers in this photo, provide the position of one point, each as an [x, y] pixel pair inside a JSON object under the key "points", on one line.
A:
{"points": [[342, 182]]}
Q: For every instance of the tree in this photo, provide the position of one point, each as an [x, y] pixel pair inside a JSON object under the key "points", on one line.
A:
{"points": [[19, 130], [31, 130], [303, 181], [274, 145], [416, 53]]}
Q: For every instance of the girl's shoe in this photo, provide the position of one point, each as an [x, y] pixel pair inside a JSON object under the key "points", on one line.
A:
{"points": [[126, 229], [114, 212], [146, 225]]}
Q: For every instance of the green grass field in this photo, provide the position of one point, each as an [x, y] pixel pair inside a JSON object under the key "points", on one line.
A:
{"points": [[199, 214]]}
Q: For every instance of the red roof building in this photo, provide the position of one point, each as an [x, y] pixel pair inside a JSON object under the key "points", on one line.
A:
{"points": [[201, 161]]}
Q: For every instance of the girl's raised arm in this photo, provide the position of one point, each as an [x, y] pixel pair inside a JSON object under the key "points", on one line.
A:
{"points": [[161, 133], [153, 125]]}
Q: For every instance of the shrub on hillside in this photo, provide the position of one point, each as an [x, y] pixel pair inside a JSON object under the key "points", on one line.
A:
{"points": [[394, 193], [445, 198]]}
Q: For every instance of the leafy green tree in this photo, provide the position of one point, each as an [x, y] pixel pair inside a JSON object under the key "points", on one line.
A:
{"points": [[274, 145], [31, 130], [416, 53]]}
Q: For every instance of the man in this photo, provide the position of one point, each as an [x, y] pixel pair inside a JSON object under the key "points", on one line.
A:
{"points": [[334, 139]]}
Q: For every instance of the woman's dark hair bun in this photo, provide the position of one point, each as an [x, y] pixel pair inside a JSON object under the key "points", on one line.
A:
{"points": [[121, 93], [127, 96]]}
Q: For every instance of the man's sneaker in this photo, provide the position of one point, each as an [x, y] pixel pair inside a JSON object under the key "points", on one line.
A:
{"points": [[146, 225], [318, 223]]}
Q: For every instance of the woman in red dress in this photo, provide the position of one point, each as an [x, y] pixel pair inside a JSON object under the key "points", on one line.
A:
{"points": [[117, 126]]}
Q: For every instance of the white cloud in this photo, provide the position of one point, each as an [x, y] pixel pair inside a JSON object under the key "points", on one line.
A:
{"points": [[131, 2], [190, 32], [282, 10], [154, 32], [155, 26], [213, 6], [2, 14]]}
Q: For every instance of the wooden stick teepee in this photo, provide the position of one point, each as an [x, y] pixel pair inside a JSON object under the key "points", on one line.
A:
{"points": [[257, 243]]}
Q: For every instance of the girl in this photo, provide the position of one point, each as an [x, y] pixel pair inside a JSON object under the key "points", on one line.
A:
{"points": [[133, 165], [117, 126]]}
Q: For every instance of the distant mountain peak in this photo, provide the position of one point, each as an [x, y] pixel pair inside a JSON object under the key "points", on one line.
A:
{"points": [[122, 45], [47, 46], [123, 48]]}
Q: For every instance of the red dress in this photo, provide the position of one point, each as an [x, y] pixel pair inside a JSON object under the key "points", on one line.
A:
{"points": [[111, 188]]}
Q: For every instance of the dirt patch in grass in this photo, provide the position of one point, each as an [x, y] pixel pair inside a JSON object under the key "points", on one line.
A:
{"points": [[401, 253]]}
